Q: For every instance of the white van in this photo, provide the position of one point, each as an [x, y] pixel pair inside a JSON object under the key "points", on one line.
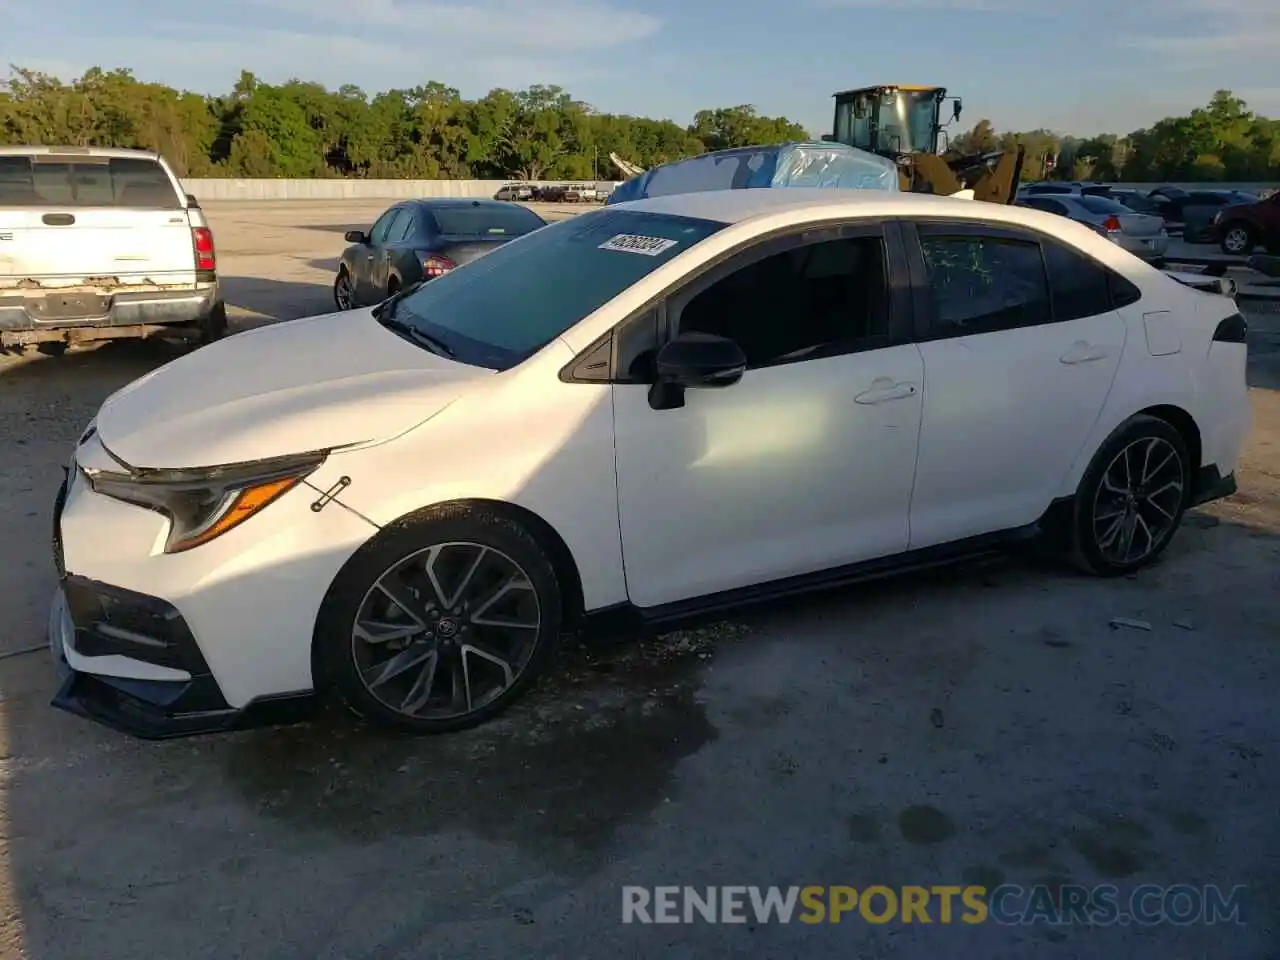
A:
{"points": [[100, 244]]}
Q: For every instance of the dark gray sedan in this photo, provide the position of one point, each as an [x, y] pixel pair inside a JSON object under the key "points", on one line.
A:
{"points": [[421, 239]]}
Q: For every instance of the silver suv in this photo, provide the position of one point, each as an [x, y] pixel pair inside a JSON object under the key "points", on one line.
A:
{"points": [[100, 244]]}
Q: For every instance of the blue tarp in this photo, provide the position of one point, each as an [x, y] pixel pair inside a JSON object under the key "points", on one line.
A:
{"points": [[809, 164]]}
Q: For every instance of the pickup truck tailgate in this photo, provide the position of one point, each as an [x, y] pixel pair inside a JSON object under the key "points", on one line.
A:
{"points": [[61, 247], [82, 220]]}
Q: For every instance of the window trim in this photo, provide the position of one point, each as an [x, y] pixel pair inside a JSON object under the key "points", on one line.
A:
{"points": [[392, 213], [915, 229], [902, 319]]}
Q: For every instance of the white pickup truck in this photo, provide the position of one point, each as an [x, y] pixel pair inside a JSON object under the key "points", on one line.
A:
{"points": [[100, 244]]}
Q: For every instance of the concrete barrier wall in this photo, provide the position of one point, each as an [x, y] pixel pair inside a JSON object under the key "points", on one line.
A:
{"points": [[335, 189]]}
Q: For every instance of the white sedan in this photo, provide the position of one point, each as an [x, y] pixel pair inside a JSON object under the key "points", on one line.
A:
{"points": [[645, 412]]}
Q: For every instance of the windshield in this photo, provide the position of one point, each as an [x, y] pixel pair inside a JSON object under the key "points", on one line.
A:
{"points": [[502, 308], [44, 180], [907, 122], [494, 221], [1101, 205]]}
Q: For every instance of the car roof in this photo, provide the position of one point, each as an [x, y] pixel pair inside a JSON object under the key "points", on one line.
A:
{"points": [[444, 203], [111, 152], [804, 203]]}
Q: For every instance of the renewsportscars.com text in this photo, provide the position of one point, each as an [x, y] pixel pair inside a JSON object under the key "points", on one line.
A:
{"points": [[1103, 905]]}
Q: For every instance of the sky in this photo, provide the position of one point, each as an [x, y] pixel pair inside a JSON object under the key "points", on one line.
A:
{"points": [[1075, 66]]}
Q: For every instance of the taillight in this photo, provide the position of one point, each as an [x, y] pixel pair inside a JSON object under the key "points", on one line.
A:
{"points": [[436, 265], [202, 240], [1112, 224]]}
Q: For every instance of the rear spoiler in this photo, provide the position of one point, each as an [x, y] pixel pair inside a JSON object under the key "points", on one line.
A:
{"points": [[1223, 286]]}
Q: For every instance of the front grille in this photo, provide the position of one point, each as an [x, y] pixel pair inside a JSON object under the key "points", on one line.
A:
{"points": [[59, 502]]}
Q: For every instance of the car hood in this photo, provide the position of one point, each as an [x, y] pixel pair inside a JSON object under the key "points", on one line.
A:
{"points": [[310, 384]]}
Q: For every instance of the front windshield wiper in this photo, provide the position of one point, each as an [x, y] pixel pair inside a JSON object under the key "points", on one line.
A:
{"points": [[410, 332], [385, 314], [387, 308]]}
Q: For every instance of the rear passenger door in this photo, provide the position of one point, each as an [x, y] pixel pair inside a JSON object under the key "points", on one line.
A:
{"points": [[1020, 345]]}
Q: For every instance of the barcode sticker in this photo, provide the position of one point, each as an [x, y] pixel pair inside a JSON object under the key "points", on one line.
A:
{"points": [[630, 243]]}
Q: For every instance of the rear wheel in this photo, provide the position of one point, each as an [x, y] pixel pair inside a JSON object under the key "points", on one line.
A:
{"points": [[343, 290], [439, 623], [1238, 239], [1132, 498], [214, 326]]}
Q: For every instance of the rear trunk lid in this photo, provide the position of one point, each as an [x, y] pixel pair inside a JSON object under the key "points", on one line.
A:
{"points": [[92, 221], [465, 249], [1140, 224]]}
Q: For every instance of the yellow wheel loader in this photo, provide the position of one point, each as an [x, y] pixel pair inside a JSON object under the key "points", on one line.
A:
{"points": [[904, 124]]}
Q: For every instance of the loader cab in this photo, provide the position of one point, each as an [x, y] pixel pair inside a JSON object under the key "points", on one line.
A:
{"points": [[891, 120]]}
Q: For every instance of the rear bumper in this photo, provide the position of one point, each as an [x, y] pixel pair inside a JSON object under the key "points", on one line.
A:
{"points": [[27, 318], [1146, 248]]}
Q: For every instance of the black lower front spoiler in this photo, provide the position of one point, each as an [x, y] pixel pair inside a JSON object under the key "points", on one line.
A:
{"points": [[154, 709], [164, 709], [1210, 485]]}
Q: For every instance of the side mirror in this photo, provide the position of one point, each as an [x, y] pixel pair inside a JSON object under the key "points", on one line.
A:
{"points": [[356, 236], [192, 202], [955, 112], [697, 360]]}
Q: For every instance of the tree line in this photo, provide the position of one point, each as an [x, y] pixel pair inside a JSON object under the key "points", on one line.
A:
{"points": [[1223, 141], [302, 129]]}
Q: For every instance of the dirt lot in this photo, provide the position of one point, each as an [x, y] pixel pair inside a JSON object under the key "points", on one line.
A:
{"points": [[979, 725]]}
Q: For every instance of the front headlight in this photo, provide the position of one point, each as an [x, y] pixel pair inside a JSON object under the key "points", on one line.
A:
{"points": [[202, 505]]}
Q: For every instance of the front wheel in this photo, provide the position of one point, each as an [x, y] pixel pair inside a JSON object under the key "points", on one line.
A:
{"points": [[439, 623], [1238, 240], [1132, 498]]}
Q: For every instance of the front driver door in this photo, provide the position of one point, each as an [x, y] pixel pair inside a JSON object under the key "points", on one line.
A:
{"points": [[807, 462], [368, 259]]}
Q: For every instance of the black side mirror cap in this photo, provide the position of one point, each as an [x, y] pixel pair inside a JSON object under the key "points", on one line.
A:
{"points": [[701, 360], [695, 360], [356, 236]]}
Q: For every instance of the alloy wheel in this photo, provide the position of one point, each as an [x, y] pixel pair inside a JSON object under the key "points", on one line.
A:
{"points": [[446, 631], [1138, 501], [342, 291], [1236, 240]]}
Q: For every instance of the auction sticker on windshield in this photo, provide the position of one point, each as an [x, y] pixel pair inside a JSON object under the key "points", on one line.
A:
{"points": [[630, 243]]}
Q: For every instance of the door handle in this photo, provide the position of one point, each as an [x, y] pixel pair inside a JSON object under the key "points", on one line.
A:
{"points": [[1083, 352], [883, 389]]}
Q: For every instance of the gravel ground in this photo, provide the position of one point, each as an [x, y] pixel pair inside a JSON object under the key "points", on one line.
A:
{"points": [[978, 725]]}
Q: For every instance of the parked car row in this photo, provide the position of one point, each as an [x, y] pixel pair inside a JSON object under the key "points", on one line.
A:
{"points": [[551, 192], [1142, 234], [1237, 221], [601, 422]]}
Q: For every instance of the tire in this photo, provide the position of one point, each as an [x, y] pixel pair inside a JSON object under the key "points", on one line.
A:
{"points": [[393, 287], [214, 326], [1098, 530], [52, 348], [1238, 239], [452, 671], [343, 291]]}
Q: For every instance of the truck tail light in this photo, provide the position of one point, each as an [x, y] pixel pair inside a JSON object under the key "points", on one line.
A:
{"points": [[202, 240]]}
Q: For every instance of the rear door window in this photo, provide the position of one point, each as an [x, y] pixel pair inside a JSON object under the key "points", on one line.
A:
{"points": [[983, 284], [52, 181]]}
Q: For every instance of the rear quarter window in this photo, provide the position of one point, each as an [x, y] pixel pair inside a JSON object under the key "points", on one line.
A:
{"points": [[51, 181], [1078, 284]]}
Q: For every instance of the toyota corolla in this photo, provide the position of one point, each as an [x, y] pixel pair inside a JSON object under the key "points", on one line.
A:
{"points": [[649, 411]]}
